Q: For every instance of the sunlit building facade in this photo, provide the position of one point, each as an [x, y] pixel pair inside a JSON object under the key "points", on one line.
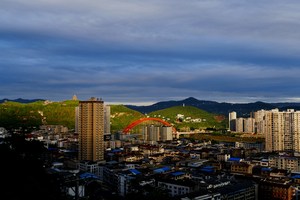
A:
{"points": [[91, 130], [282, 131]]}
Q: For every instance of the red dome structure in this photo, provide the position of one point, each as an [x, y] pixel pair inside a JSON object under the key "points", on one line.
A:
{"points": [[137, 122]]}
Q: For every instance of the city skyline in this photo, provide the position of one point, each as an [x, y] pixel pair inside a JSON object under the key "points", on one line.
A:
{"points": [[141, 52]]}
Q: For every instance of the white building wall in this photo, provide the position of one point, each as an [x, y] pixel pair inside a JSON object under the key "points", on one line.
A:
{"points": [[240, 125], [282, 130], [249, 125], [166, 133], [232, 121]]}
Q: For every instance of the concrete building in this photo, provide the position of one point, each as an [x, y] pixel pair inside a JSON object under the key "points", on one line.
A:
{"points": [[290, 163], [275, 189], [154, 133], [232, 121], [91, 130], [166, 133], [241, 168], [249, 125], [259, 121], [107, 119], [177, 187], [239, 125], [282, 130], [157, 133]]}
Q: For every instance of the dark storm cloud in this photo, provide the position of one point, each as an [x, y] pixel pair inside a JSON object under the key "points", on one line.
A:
{"points": [[141, 51]]}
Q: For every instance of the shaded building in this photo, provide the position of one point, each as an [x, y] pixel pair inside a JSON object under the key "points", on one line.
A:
{"points": [[275, 189]]}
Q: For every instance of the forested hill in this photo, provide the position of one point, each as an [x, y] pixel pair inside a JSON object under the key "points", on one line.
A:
{"points": [[14, 115]]}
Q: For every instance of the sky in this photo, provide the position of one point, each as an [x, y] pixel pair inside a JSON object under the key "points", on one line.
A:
{"points": [[141, 52]]}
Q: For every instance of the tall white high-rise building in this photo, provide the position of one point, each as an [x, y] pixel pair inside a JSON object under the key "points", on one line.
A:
{"points": [[106, 119], [249, 125], [259, 118], [151, 133], [282, 130], [166, 133], [239, 125], [232, 121], [154, 133]]}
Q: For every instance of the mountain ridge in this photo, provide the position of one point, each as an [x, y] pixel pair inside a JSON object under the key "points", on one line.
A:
{"points": [[242, 109]]}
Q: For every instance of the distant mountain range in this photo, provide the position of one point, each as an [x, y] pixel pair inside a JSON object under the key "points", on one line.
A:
{"points": [[242, 109]]}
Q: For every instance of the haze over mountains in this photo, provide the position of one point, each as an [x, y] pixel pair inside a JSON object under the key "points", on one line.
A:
{"points": [[242, 109]]}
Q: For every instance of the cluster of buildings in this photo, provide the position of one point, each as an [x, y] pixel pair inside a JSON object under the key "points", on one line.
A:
{"points": [[174, 168], [281, 129], [157, 133], [181, 169], [181, 117], [92, 123], [125, 167]]}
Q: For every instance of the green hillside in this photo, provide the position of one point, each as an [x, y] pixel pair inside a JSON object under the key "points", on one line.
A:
{"points": [[61, 113], [185, 118], [121, 116], [14, 115]]}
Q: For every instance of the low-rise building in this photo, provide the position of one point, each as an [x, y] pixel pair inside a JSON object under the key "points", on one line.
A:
{"points": [[290, 163], [241, 168]]}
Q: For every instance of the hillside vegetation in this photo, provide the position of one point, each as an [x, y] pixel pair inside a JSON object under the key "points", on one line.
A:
{"points": [[122, 116], [15, 115], [186, 118]]}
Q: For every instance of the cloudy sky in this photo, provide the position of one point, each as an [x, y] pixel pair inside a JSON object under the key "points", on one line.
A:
{"points": [[142, 52]]}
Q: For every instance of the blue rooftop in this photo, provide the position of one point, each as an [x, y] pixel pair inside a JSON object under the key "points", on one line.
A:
{"points": [[116, 150], [162, 170], [177, 173], [52, 149], [266, 169], [88, 175], [234, 159], [207, 169], [296, 176], [134, 171]]}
